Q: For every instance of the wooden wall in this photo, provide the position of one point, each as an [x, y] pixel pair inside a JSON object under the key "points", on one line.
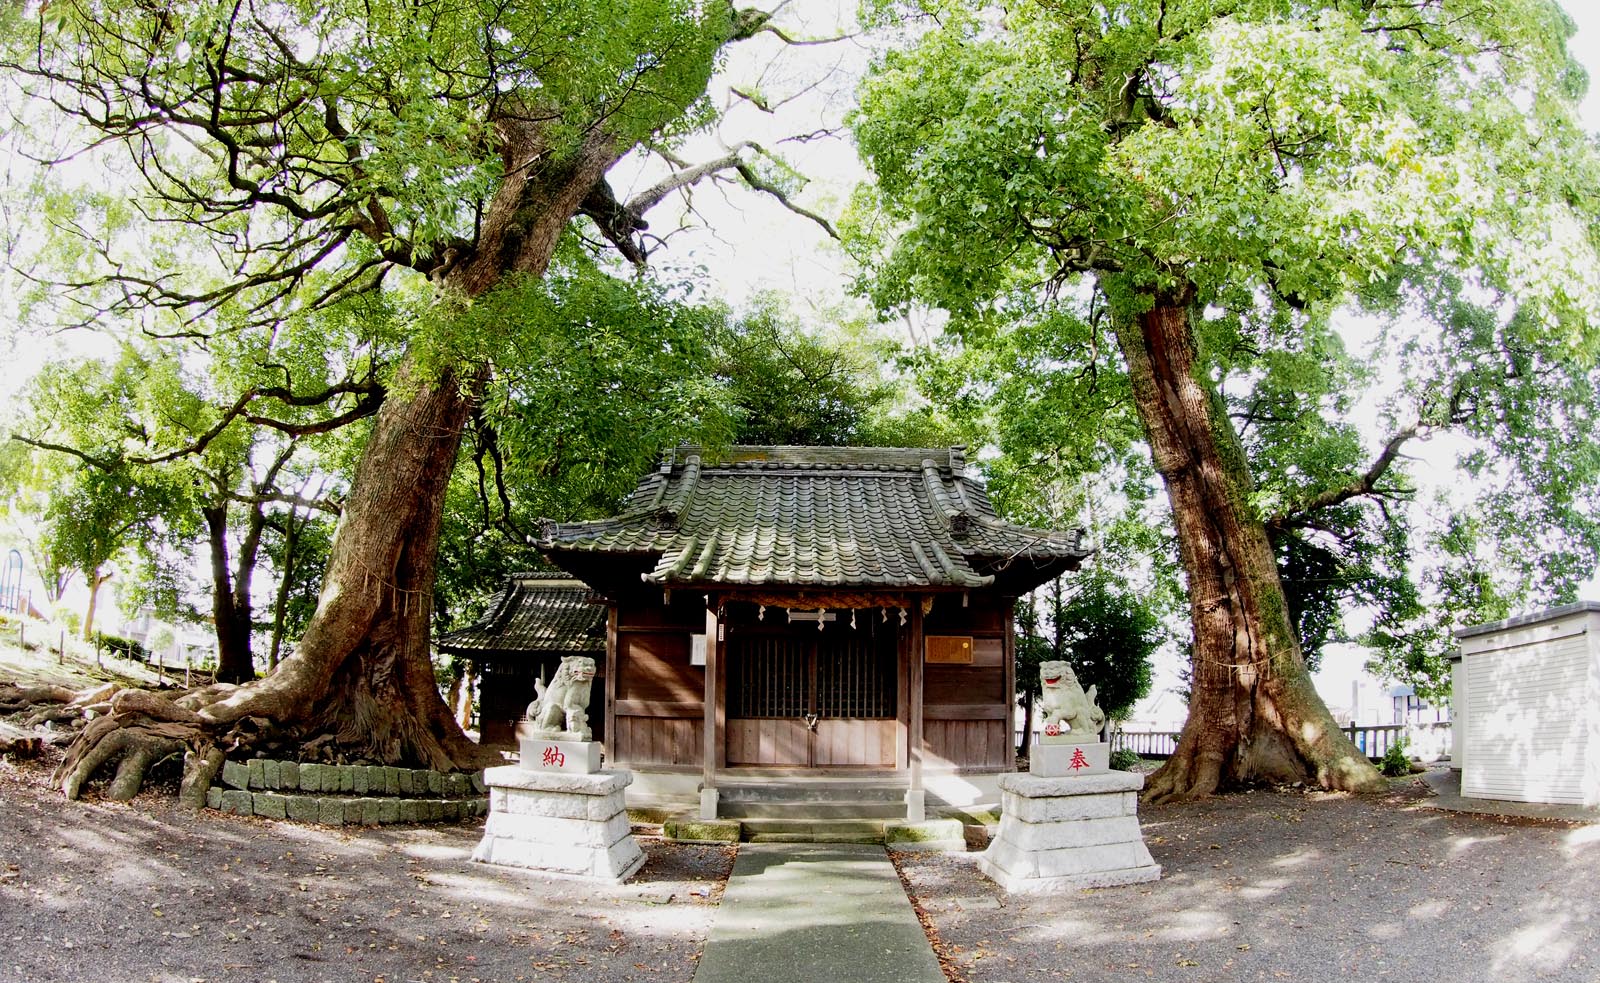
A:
{"points": [[505, 688], [967, 708], [658, 697]]}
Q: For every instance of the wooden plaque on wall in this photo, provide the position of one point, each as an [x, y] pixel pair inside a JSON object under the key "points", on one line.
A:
{"points": [[949, 649]]}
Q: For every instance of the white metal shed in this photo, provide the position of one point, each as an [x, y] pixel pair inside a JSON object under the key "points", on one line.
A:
{"points": [[1526, 694]]}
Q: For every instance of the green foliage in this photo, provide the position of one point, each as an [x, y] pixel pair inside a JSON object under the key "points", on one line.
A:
{"points": [[302, 559], [373, 137], [125, 454], [1395, 762], [597, 376], [85, 516], [1108, 634], [788, 385], [1123, 759], [1380, 217]]}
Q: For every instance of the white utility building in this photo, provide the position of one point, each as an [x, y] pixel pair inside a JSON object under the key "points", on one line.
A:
{"points": [[1526, 695]]}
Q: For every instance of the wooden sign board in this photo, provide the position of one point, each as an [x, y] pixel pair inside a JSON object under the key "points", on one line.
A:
{"points": [[949, 649]]}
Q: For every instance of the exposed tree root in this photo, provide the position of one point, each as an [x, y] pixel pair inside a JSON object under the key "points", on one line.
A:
{"points": [[1185, 775], [14, 698], [19, 743], [200, 767], [1207, 760], [138, 729]]}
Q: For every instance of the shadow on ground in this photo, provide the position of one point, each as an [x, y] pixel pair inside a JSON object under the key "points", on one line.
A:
{"points": [[149, 892], [1295, 885]]}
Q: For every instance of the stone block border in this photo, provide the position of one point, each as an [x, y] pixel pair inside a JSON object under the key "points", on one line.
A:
{"points": [[337, 795]]}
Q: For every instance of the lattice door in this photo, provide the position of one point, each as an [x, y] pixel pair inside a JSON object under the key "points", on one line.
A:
{"points": [[822, 700]]}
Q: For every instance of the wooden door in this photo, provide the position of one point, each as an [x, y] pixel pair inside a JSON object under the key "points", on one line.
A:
{"points": [[805, 698]]}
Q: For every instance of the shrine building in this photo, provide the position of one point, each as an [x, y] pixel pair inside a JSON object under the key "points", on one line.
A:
{"points": [[531, 623], [783, 618]]}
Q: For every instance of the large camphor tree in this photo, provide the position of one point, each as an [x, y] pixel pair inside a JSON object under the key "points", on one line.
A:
{"points": [[316, 152], [1164, 210]]}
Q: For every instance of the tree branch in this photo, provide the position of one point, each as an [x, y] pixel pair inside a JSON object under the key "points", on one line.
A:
{"points": [[331, 506], [1365, 484], [371, 396], [756, 182]]}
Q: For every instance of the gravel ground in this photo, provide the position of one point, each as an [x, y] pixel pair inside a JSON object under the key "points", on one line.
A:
{"points": [[149, 892], [1269, 885], [1290, 885]]}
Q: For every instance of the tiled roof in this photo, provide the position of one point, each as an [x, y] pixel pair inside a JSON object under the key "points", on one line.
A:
{"points": [[867, 517], [534, 612]]}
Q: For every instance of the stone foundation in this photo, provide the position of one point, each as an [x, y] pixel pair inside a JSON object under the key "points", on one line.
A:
{"points": [[1064, 834], [559, 822], [335, 795]]}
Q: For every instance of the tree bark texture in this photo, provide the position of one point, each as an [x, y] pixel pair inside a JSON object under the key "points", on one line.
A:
{"points": [[1253, 712], [1026, 743]]}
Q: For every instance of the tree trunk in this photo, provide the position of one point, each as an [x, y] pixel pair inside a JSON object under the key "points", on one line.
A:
{"points": [[461, 686], [1024, 746], [362, 670], [280, 607], [96, 581], [235, 661], [1253, 713]]}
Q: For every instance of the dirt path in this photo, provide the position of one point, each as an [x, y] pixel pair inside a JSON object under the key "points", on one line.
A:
{"points": [[1297, 886], [148, 892]]}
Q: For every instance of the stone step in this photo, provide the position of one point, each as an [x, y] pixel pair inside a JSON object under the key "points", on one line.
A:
{"points": [[806, 809], [810, 791], [811, 831], [812, 838]]}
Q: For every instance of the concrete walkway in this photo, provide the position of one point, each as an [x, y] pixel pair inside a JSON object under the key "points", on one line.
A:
{"points": [[804, 912], [1446, 786]]}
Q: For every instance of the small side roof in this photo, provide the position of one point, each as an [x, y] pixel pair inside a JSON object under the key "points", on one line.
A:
{"points": [[816, 517], [1523, 620], [533, 613]]}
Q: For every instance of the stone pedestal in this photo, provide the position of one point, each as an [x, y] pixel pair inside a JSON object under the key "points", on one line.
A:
{"points": [[1060, 759], [1063, 834], [549, 754], [560, 822]]}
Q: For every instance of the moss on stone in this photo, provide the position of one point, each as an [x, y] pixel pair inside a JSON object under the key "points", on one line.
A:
{"points": [[978, 817], [700, 831], [934, 830]]}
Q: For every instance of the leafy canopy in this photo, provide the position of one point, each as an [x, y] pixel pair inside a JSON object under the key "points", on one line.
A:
{"points": [[315, 147], [1045, 171]]}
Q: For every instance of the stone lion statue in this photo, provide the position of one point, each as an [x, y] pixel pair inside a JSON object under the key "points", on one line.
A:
{"points": [[563, 705], [1065, 707]]}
